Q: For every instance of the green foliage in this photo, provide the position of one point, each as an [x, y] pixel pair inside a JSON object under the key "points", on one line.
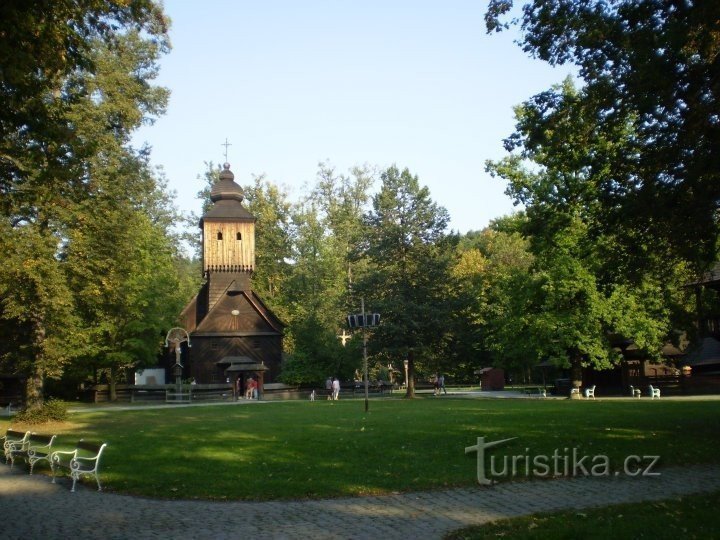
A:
{"points": [[649, 69], [408, 278], [52, 410], [583, 289], [76, 81]]}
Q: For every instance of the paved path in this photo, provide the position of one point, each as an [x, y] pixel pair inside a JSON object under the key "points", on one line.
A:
{"points": [[32, 507]]}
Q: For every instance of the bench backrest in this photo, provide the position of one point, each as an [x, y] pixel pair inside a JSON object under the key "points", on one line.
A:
{"points": [[41, 439], [15, 435], [90, 448]]}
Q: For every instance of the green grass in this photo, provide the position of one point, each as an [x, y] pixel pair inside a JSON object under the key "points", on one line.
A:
{"points": [[694, 516], [300, 449]]}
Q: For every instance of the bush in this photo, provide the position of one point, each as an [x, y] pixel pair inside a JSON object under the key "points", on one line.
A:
{"points": [[53, 410]]}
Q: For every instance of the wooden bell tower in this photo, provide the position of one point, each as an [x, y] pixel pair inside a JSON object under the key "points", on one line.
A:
{"points": [[228, 230]]}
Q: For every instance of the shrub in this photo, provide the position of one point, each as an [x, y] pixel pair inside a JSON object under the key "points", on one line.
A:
{"points": [[53, 410]]}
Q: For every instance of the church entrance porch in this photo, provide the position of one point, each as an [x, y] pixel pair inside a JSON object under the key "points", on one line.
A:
{"points": [[238, 370]]}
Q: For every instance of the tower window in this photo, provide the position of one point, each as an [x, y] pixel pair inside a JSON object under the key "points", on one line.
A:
{"points": [[219, 235], [239, 236]]}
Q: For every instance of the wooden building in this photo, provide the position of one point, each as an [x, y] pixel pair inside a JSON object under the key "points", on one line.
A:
{"points": [[233, 334]]}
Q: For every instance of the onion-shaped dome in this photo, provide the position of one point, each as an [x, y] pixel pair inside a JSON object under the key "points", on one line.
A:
{"points": [[225, 189]]}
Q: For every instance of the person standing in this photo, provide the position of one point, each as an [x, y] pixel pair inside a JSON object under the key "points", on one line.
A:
{"points": [[441, 380], [248, 388], [336, 389], [329, 388]]}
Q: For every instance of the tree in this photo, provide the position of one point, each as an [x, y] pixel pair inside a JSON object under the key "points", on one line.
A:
{"points": [[75, 83], [652, 65], [269, 204], [488, 264], [581, 289], [409, 256], [327, 228], [120, 258]]}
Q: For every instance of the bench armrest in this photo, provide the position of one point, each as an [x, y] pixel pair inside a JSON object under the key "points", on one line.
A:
{"points": [[57, 457], [39, 448]]}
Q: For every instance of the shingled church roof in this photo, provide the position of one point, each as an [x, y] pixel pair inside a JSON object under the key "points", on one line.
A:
{"points": [[227, 197]]}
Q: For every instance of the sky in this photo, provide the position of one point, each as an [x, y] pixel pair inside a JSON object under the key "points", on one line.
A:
{"points": [[290, 84]]}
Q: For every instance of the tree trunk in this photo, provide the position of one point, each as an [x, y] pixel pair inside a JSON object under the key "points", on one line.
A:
{"points": [[34, 388], [410, 393], [575, 376], [111, 384], [35, 380]]}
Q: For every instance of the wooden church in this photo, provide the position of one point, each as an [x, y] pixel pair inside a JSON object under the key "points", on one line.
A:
{"points": [[233, 334]]}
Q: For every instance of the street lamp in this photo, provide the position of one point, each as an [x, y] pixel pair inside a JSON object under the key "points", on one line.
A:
{"points": [[363, 320]]}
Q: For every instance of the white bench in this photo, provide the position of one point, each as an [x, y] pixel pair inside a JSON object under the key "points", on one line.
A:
{"points": [[590, 392], [84, 460], [33, 449], [635, 392], [13, 440], [654, 392]]}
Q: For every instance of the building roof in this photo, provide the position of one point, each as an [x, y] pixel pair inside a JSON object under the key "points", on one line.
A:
{"points": [[705, 353], [711, 278], [227, 197]]}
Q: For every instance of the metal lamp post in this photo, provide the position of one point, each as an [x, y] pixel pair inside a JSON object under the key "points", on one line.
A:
{"points": [[363, 320]]}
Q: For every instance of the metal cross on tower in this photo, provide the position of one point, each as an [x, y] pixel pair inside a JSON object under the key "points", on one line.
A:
{"points": [[226, 144]]}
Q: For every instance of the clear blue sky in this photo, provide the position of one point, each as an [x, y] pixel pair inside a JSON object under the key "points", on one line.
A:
{"points": [[414, 83]]}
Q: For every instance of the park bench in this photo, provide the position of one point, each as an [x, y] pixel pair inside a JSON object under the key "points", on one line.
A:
{"points": [[12, 439], [84, 460], [33, 449], [635, 392], [535, 390], [654, 392], [590, 392]]}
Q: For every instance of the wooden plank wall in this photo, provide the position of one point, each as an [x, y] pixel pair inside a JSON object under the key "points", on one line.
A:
{"points": [[228, 252]]}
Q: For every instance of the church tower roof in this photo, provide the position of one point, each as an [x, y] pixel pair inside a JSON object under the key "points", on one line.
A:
{"points": [[227, 197]]}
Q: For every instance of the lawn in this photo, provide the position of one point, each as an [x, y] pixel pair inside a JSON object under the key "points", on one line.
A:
{"points": [[694, 516], [302, 449]]}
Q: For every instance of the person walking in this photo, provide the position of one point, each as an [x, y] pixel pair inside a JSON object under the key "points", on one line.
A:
{"points": [[441, 381], [336, 389]]}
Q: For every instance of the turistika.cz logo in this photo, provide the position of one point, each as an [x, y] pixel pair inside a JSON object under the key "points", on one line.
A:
{"points": [[568, 462]]}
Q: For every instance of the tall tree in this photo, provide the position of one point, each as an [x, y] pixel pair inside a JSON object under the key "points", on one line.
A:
{"points": [[327, 227], [75, 83], [488, 263], [406, 245], [580, 288], [653, 64]]}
